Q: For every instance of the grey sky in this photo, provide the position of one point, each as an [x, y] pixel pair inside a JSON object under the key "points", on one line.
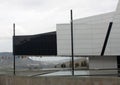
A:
{"points": [[38, 16]]}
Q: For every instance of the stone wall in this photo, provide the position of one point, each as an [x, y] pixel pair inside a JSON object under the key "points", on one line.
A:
{"points": [[15, 80]]}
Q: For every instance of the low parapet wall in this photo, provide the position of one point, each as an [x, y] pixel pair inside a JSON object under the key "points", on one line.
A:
{"points": [[15, 80]]}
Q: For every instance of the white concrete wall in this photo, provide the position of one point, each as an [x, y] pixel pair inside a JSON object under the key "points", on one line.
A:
{"points": [[103, 63], [88, 38], [107, 17], [63, 39], [100, 62], [113, 46], [89, 35]]}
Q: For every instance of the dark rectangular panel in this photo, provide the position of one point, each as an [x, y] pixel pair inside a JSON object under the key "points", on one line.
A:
{"points": [[42, 44], [118, 65]]}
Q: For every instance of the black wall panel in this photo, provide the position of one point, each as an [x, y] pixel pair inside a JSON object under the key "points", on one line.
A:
{"points": [[42, 44]]}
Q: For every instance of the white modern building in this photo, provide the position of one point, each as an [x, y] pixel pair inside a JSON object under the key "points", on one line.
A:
{"points": [[89, 36]]}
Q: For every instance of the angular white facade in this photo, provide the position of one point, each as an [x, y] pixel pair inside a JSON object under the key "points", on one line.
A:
{"points": [[88, 39], [89, 35], [113, 46]]}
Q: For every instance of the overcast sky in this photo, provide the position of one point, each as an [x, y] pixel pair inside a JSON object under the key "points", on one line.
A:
{"points": [[39, 16]]}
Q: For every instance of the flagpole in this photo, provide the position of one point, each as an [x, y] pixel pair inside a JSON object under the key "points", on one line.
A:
{"points": [[72, 48], [13, 49]]}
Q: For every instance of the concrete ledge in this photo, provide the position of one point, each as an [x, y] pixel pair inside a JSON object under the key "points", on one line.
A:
{"points": [[16, 80]]}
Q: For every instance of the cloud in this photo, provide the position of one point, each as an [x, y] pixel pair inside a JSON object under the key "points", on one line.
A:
{"points": [[38, 16]]}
